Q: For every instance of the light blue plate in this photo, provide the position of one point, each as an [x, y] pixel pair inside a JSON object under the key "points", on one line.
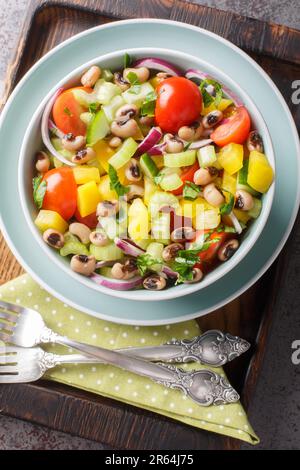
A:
{"points": [[149, 33]]}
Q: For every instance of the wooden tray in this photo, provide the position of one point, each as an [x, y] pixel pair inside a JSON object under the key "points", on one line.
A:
{"points": [[277, 50]]}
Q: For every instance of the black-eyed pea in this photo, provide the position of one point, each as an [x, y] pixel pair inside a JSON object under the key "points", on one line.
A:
{"points": [[213, 196], [83, 264], [90, 77], [81, 231]]}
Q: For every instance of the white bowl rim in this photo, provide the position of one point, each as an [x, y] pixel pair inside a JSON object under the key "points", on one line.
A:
{"points": [[183, 289]]}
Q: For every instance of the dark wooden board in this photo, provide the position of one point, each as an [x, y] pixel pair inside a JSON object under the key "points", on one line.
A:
{"points": [[277, 50]]}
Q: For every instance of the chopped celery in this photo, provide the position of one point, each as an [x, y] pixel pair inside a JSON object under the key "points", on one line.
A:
{"points": [[87, 118], [124, 154], [106, 253], [73, 246], [256, 209], [111, 108], [138, 98], [242, 180], [207, 156], [155, 249], [97, 129], [162, 199], [148, 166], [105, 91], [107, 75], [170, 182], [177, 160]]}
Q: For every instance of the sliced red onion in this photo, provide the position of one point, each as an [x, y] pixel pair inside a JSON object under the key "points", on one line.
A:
{"points": [[195, 73], [236, 224], [128, 248], [158, 149], [116, 285], [198, 144], [158, 64], [169, 272], [153, 136], [54, 129], [45, 130]]}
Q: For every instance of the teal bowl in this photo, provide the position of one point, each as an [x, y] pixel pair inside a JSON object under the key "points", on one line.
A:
{"points": [[32, 142]]}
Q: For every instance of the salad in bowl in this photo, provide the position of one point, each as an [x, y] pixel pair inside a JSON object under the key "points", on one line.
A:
{"points": [[148, 176]]}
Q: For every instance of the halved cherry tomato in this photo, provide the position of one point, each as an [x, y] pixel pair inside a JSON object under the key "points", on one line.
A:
{"points": [[90, 220], [209, 255], [61, 192], [186, 175], [179, 103], [66, 112], [235, 128]]}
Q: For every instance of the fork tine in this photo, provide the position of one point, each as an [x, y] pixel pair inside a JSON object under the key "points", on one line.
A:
{"points": [[8, 369], [6, 326], [5, 337], [10, 379], [8, 350], [8, 316], [12, 308]]}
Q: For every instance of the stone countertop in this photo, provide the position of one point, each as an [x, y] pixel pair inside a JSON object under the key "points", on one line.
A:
{"points": [[274, 411]]}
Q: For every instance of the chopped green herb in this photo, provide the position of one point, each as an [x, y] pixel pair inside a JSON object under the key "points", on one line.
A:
{"points": [[127, 60], [207, 98], [93, 107], [190, 191], [115, 182], [226, 229], [134, 82], [148, 106], [187, 146], [226, 208], [39, 190], [68, 112], [146, 263]]}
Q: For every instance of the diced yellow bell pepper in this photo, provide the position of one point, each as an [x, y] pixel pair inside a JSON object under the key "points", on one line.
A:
{"points": [[50, 219], [158, 160], [138, 220], [105, 192], [203, 215], [149, 189], [83, 174], [208, 109], [229, 182], [242, 216], [155, 81], [230, 158], [224, 104], [88, 197], [103, 152], [260, 172]]}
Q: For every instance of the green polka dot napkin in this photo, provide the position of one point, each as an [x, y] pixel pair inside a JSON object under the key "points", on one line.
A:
{"points": [[112, 382]]}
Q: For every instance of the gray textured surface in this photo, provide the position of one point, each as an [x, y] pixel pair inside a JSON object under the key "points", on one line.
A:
{"points": [[275, 410]]}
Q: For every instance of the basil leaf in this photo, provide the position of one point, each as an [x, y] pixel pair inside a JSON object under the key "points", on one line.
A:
{"points": [[146, 262], [127, 60], [115, 182], [39, 190], [190, 191], [226, 208]]}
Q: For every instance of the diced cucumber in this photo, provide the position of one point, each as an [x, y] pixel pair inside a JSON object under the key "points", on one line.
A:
{"points": [[242, 180], [105, 91], [155, 249], [73, 246], [148, 166], [138, 98], [170, 182], [106, 253], [111, 108], [98, 128], [84, 98], [256, 209], [124, 154], [107, 75], [161, 199], [56, 142], [177, 160], [207, 156], [87, 118]]}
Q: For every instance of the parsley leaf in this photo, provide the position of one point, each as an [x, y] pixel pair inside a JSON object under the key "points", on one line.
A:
{"points": [[190, 191], [115, 182], [127, 60], [148, 106], [39, 190], [134, 82], [146, 263], [93, 107], [207, 98], [68, 112], [228, 206]]}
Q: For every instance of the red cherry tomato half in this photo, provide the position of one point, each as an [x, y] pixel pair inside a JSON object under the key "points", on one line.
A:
{"points": [[235, 128], [179, 103], [66, 112], [186, 175], [90, 220], [61, 192], [209, 256]]}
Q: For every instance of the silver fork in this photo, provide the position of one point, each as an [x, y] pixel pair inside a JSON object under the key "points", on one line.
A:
{"points": [[26, 328], [213, 348]]}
